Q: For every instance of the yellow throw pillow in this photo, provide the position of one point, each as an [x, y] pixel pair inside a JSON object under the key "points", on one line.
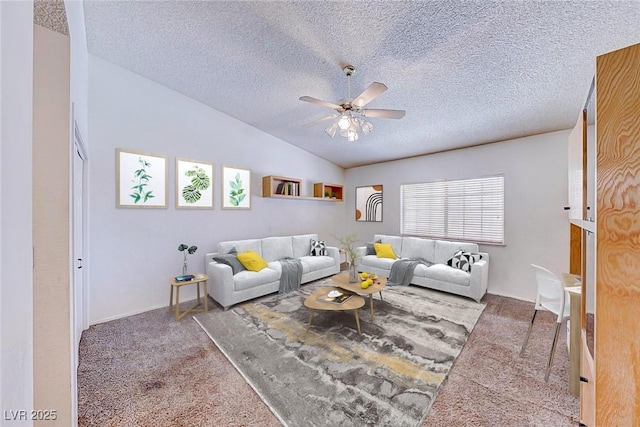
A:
{"points": [[252, 261], [384, 250]]}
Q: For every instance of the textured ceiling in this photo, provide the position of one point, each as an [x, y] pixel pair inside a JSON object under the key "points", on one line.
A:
{"points": [[466, 72]]}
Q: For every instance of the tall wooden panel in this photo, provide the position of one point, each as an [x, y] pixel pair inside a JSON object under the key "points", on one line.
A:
{"points": [[617, 321]]}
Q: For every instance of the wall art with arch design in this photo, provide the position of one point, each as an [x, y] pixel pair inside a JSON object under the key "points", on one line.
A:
{"points": [[369, 203]]}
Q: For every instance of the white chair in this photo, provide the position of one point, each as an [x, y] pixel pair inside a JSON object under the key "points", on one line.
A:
{"points": [[551, 297]]}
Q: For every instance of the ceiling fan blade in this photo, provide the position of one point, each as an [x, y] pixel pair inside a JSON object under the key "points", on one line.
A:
{"points": [[374, 90], [384, 114], [315, 122], [320, 102]]}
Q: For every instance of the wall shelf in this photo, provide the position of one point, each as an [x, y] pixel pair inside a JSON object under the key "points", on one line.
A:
{"points": [[320, 189], [281, 187]]}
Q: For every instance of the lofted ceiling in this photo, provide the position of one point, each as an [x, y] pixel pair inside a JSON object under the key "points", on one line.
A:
{"points": [[466, 72]]}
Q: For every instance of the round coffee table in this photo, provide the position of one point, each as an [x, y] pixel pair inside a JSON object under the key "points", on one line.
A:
{"points": [[342, 281], [354, 303]]}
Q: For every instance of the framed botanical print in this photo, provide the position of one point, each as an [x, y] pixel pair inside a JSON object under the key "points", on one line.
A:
{"points": [[369, 203], [236, 188], [141, 179], [194, 184]]}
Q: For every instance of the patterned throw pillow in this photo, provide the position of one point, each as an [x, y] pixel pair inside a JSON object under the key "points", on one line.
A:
{"points": [[464, 260], [318, 248]]}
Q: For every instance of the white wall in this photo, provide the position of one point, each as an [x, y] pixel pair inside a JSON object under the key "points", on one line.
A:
{"points": [[16, 284], [79, 81], [79, 63], [51, 223], [536, 226], [133, 252]]}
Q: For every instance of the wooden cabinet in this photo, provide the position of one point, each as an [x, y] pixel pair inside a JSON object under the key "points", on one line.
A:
{"points": [[329, 191], [617, 321], [610, 246]]}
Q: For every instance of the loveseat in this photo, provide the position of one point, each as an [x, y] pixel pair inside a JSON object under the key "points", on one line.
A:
{"points": [[228, 288], [440, 275]]}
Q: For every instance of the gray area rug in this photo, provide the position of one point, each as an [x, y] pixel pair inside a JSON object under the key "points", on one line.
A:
{"points": [[389, 375]]}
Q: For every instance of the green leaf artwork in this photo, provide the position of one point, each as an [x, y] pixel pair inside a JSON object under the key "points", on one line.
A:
{"points": [[237, 195], [191, 194], [200, 181], [141, 180]]}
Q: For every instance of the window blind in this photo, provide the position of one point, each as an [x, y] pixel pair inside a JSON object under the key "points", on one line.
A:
{"points": [[465, 209]]}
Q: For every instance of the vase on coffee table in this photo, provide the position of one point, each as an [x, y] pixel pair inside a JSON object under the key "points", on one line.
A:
{"points": [[353, 277]]}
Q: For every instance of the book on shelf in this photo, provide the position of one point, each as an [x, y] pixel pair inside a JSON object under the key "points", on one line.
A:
{"points": [[185, 278], [342, 298], [288, 188]]}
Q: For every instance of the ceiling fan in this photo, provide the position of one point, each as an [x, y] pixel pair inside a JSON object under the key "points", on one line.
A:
{"points": [[350, 112]]}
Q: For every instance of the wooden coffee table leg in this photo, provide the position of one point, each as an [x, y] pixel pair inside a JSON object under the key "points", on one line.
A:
{"points": [[371, 305], [309, 324], [171, 299], [357, 321], [381, 296]]}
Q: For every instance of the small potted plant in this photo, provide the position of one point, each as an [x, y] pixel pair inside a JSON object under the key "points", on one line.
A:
{"points": [[334, 195], [327, 194], [186, 249]]}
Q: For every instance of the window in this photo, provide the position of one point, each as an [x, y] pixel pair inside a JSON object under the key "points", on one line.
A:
{"points": [[465, 209]]}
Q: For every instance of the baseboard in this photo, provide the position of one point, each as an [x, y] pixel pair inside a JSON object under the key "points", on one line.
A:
{"points": [[511, 296], [133, 313]]}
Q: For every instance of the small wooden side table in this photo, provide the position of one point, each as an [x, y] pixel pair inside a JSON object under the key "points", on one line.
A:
{"points": [[200, 278]]}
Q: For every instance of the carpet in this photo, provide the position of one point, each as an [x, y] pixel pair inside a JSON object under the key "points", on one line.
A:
{"points": [[389, 375]]}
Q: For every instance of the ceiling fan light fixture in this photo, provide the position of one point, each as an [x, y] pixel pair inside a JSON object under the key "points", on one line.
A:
{"points": [[331, 130], [366, 127], [350, 112], [345, 121]]}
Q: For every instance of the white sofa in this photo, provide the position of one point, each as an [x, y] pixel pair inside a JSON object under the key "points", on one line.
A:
{"points": [[439, 276], [229, 289]]}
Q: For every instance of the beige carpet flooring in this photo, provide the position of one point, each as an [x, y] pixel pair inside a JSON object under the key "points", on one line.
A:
{"points": [[149, 370]]}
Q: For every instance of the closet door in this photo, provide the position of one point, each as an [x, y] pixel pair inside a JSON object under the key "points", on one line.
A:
{"points": [[617, 314]]}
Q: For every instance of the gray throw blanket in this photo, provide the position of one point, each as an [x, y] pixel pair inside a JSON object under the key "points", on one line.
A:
{"points": [[402, 271], [291, 275]]}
